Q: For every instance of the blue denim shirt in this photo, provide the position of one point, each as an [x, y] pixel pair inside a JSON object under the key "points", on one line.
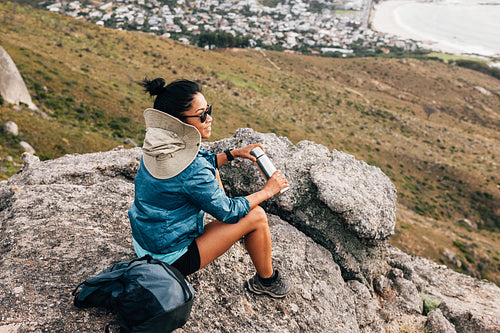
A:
{"points": [[167, 214]]}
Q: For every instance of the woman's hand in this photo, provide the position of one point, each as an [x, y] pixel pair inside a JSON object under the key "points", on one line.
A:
{"points": [[275, 184], [244, 152]]}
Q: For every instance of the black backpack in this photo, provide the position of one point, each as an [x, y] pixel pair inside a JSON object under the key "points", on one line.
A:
{"points": [[147, 295]]}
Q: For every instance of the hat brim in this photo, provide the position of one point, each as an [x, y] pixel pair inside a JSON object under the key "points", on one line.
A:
{"points": [[165, 167]]}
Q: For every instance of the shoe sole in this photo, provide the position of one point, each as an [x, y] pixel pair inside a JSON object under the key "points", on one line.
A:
{"points": [[264, 292]]}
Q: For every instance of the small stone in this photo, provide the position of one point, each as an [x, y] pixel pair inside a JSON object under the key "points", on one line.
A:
{"points": [[18, 291], [27, 147], [437, 323], [10, 128]]}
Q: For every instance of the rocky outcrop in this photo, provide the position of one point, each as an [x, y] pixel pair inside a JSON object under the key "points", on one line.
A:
{"points": [[66, 219], [12, 87], [345, 205]]}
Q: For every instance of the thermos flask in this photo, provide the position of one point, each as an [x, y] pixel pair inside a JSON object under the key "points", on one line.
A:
{"points": [[264, 163]]}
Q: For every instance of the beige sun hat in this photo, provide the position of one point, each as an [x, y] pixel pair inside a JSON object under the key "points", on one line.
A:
{"points": [[170, 144]]}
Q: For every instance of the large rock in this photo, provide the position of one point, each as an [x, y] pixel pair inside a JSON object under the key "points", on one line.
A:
{"points": [[66, 219], [12, 87], [471, 305], [344, 204], [320, 301]]}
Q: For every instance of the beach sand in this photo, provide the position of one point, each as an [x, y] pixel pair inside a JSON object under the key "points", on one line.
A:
{"points": [[384, 19]]}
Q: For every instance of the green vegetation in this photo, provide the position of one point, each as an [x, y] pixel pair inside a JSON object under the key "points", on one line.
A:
{"points": [[220, 39], [429, 304], [442, 158], [448, 58], [480, 67]]}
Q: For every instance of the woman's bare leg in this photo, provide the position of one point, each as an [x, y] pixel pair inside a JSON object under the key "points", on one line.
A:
{"points": [[219, 237]]}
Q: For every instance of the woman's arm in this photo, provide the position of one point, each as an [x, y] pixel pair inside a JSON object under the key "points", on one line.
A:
{"points": [[243, 152], [274, 185]]}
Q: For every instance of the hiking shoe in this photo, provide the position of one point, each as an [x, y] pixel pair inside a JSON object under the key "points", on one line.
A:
{"points": [[279, 288]]}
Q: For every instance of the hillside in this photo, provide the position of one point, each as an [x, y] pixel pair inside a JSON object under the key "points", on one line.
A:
{"points": [[85, 79]]}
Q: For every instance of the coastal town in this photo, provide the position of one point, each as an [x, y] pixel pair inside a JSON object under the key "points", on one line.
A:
{"points": [[336, 28]]}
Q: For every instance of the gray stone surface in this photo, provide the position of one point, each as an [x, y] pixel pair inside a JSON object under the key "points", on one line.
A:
{"points": [[64, 220], [12, 87], [10, 128], [320, 301], [344, 204], [437, 323], [361, 193], [27, 147], [471, 305]]}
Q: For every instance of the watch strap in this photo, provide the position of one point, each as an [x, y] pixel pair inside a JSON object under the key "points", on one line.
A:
{"points": [[230, 156]]}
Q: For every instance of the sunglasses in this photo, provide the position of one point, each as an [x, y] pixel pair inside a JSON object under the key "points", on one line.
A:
{"points": [[203, 116]]}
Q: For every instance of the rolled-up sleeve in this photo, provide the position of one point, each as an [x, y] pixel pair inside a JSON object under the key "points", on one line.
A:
{"points": [[210, 157], [204, 191]]}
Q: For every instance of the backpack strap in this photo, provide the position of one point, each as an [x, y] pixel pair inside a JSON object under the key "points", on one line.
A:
{"points": [[115, 323], [147, 257], [101, 281], [95, 281], [76, 289]]}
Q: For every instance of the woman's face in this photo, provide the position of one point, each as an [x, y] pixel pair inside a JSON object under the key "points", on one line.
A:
{"points": [[199, 105]]}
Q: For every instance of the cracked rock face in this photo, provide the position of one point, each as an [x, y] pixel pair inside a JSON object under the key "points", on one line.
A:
{"points": [[344, 204], [361, 195], [64, 220]]}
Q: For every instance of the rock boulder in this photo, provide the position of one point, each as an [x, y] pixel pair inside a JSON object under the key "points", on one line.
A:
{"points": [[64, 220], [10, 128], [12, 87], [344, 204]]}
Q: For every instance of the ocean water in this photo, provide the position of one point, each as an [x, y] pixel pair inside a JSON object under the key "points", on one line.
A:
{"points": [[454, 26]]}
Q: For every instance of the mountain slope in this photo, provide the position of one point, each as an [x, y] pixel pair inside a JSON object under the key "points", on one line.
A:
{"points": [[85, 78]]}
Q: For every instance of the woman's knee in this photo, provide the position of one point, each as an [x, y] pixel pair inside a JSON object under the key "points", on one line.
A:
{"points": [[258, 215]]}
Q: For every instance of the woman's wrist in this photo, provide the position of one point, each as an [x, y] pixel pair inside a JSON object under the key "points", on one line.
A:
{"points": [[267, 193], [229, 154], [236, 153]]}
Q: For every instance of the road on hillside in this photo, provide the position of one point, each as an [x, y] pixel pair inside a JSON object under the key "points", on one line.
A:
{"points": [[365, 17]]}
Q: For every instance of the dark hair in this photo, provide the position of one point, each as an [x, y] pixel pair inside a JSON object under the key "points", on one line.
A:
{"points": [[175, 98]]}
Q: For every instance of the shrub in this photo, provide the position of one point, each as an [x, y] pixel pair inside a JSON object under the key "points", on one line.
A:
{"points": [[429, 304], [480, 67], [429, 110], [460, 246]]}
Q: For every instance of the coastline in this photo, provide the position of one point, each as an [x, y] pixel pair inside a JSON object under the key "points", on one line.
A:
{"points": [[384, 18]]}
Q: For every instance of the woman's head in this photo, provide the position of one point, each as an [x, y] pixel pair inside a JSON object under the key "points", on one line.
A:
{"points": [[182, 99], [175, 98]]}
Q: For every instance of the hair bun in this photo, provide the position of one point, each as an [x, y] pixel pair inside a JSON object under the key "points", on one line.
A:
{"points": [[154, 87]]}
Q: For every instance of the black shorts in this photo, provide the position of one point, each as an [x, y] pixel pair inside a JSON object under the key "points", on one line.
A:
{"points": [[190, 261]]}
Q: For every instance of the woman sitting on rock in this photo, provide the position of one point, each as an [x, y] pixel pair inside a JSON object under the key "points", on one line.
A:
{"points": [[177, 182]]}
